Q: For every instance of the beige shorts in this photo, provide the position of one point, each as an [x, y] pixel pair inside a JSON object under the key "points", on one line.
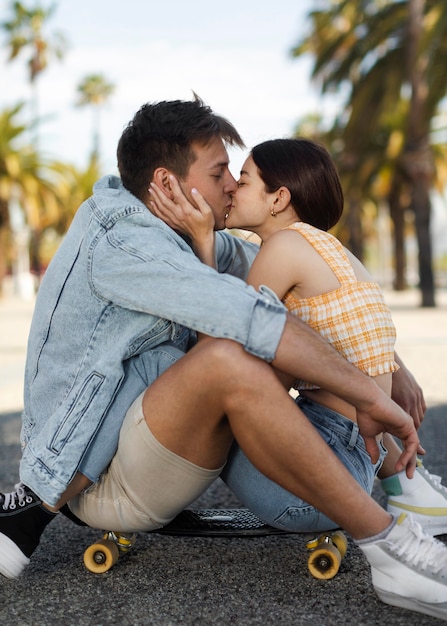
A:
{"points": [[145, 486]]}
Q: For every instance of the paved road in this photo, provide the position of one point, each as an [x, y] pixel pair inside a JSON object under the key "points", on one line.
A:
{"points": [[170, 581]]}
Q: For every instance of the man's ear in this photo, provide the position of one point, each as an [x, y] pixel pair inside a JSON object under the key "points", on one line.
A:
{"points": [[161, 179]]}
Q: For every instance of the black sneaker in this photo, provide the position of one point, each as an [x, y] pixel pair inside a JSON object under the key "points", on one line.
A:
{"points": [[22, 522], [71, 516]]}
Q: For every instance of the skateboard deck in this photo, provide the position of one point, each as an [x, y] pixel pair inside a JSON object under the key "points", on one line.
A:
{"points": [[218, 523], [326, 550]]}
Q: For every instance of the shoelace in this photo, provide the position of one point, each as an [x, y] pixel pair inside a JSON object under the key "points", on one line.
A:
{"points": [[17, 497], [433, 478], [421, 549]]}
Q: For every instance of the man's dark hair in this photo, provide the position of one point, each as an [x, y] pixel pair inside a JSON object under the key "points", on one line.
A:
{"points": [[163, 134]]}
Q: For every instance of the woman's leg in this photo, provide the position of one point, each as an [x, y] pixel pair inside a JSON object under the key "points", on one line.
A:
{"points": [[279, 507]]}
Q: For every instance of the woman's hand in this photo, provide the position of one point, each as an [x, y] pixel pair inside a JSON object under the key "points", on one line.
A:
{"points": [[189, 216], [192, 217]]}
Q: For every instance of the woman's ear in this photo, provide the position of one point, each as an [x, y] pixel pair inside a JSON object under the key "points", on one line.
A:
{"points": [[282, 199]]}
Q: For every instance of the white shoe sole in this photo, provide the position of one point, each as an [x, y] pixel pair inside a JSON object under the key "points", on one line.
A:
{"points": [[434, 610], [12, 559]]}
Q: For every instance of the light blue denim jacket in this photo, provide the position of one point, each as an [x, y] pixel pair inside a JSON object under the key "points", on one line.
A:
{"points": [[121, 284]]}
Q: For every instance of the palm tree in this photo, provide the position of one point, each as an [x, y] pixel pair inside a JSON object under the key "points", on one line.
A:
{"points": [[94, 91], [25, 35], [387, 55], [73, 185], [12, 164], [28, 184]]}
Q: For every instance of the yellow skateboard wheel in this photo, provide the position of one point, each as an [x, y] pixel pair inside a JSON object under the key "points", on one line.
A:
{"points": [[101, 556], [124, 541], [314, 543], [340, 542], [324, 562]]}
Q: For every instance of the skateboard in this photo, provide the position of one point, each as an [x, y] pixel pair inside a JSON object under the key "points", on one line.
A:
{"points": [[326, 550]]}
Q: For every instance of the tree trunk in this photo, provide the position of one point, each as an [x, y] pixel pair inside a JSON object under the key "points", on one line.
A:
{"points": [[397, 214], [354, 226], [4, 241], [422, 209], [418, 157]]}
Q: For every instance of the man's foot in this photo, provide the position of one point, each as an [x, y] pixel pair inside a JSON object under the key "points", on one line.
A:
{"points": [[423, 496], [409, 568], [22, 521], [65, 510]]}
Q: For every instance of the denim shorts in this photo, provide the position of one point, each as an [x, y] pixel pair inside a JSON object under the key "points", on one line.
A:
{"points": [[282, 509]]}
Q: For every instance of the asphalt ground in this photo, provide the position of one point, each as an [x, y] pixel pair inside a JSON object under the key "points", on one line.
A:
{"points": [[202, 581]]}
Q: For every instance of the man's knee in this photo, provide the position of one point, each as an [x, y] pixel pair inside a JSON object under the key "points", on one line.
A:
{"points": [[237, 374], [225, 356]]}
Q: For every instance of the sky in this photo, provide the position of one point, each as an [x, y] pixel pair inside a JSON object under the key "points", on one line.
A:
{"points": [[235, 55]]}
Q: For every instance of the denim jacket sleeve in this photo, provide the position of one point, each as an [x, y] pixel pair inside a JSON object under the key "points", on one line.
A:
{"points": [[234, 256], [145, 266]]}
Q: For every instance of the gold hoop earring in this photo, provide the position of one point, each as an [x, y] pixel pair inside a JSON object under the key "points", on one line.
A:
{"points": [[273, 213]]}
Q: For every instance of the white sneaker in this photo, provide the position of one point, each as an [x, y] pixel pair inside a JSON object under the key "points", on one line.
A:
{"points": [[423, 496], [409, 568]]}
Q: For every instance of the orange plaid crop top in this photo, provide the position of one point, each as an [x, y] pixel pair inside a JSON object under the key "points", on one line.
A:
{"points": [[353, 318]]}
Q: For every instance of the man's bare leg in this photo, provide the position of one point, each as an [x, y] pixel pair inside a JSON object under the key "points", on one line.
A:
{"points": [[185, 411]]}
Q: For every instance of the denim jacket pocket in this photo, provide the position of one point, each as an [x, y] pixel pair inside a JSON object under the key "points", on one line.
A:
{"points": [[76, 412]]}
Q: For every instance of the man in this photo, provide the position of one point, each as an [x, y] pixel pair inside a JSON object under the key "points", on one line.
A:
{"points": [[113, 316]]}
